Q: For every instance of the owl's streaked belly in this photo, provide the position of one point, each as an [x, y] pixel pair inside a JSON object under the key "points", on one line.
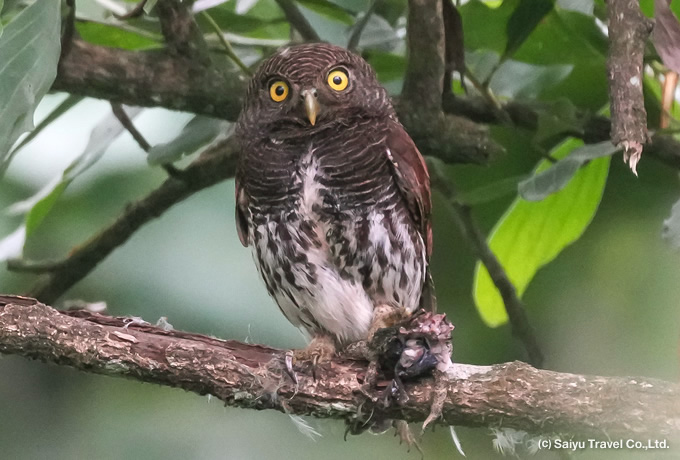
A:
{"points": [[329, 260]]}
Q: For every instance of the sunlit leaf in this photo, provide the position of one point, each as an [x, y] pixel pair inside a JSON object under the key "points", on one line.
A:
{"points": [[29, 51], [531, 234], [198, 132], [553, 178], [671, 226]]}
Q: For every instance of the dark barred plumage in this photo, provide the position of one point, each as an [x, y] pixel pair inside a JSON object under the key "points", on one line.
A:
{"points": [[332, 194]]}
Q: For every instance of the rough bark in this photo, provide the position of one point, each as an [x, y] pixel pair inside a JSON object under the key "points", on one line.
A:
{"points": [[511, 395], [628, 32], [453, 139], [151, 79]]}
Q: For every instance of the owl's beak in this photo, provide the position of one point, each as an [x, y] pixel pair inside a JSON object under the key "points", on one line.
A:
{"points": [[311, 104]]}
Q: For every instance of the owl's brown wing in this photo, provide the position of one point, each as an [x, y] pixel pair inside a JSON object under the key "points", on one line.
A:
{"points": [[413, 181], [241, 212]]}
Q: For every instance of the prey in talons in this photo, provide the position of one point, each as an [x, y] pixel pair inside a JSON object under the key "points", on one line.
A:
{"points": [[419, 346]]}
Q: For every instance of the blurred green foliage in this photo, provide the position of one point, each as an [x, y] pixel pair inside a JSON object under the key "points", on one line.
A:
{"points": [[607, 304]]}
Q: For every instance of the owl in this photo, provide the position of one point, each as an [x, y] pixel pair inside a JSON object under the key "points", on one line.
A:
{"points": [[332, 196]]}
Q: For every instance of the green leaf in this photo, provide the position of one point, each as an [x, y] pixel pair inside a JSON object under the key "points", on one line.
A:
{"points": [[29, 52], [671, 226], [39, 205], [568, 37], [517, 80], [482, 25], [491, 192], [551, 179], [523, 21], [198, 132], [43, 206], [115, 36], [328, 10], [329, 21], [531, 234]]}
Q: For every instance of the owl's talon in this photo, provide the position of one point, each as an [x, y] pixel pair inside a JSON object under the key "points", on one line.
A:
{"points": [[319, 351], [439, 394], [406, 436], [288, 361]]}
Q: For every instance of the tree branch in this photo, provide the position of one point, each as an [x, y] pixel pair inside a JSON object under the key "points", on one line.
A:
{"points": [[628, 32], [511, 395], [151, 79], [450, 138], [298, 21], [596, 128], [181, 33]]}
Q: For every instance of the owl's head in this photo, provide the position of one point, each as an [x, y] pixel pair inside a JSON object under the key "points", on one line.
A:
{"points": [[309, 87]]}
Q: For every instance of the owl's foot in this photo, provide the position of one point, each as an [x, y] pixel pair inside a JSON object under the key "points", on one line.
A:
{"points": [[418, 346], [405, 434], [320, 350], [401, 429]]}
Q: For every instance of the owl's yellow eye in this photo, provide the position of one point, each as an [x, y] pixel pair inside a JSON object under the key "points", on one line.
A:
{"points": [[278, 91], [338, 80]]}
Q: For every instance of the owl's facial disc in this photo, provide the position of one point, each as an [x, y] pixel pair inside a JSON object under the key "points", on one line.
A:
{"points": [[311, 103]]}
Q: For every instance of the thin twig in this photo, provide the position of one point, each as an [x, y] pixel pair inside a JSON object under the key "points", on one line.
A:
{"points": [[359, 27], [298, 21], [521, 328], [488, 95], [135, 12], [127, 123], [229, 51], [120, 114]]}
